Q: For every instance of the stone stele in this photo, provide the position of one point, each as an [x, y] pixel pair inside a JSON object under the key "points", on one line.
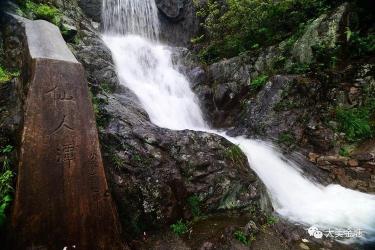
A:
{"points": [[62, 198]]}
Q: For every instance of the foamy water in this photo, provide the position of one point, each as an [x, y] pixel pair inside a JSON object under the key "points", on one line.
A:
{"points": [[145, 67]]}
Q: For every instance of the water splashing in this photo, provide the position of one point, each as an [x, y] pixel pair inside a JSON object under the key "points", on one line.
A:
{"points": [[145, 68]]}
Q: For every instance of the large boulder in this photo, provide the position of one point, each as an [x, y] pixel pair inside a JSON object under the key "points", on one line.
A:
{"points": [[155, 172], [324, 30]]}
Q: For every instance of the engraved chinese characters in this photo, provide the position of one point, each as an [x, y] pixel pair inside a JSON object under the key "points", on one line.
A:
{"points": [[62, 197]]}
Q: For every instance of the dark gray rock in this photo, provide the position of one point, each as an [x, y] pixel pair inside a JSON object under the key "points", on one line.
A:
{"points": [[172, 9], [178, 21], [152, 171], [92, 8], [260, 116]]}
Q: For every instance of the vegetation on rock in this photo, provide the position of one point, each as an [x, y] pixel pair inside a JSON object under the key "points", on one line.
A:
{"points": [[259, 82], [41, 11], [235, 26], [5, 75], [179, 228], [6, 182], [194, 204]]}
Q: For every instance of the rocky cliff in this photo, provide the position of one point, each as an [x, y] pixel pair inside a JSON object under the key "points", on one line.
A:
{"points": [[290, 92]]}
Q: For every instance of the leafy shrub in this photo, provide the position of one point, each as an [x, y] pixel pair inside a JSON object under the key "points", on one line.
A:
{"points": [[179, 228], [234, 26], [6, 179], [42, 11], [241, 236], [5, 75], [194, 204], [326, 57], [286, 138], [345, 151], [360, 45], [259, 82], [298, 68], [355, 122], [271, 220], [234, 153]]}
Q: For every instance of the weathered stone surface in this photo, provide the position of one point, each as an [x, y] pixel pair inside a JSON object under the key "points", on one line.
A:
{"points": [[62, 198], [178, 21], [92, 8], [152, 171], [165, 168], [324, 30], [171, 8]]}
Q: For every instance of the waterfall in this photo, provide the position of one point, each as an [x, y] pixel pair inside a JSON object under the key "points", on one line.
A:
{"points": [[145, 67], [131, 16]]}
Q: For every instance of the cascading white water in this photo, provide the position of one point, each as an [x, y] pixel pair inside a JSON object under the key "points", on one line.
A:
{"points": [[145, 67], [131, 16]]}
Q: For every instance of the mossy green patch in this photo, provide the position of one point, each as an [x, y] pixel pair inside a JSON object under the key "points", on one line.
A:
{"points": [[6, 181], [179, 228], [356, 123], [194, 203], [286, 138], [234, 153], [42, 11], [259, 82], [5, 75]]}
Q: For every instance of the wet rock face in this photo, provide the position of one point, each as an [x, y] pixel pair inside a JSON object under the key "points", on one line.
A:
{"points": [[281, 107], [178, 21], [172, 9], [154, 173], [92, 8]]}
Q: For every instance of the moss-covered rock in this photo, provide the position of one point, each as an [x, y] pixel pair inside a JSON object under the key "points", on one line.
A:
{"points": [[326, 30]]}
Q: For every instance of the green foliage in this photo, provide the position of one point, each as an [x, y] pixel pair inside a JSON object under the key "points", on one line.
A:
{"points": [[6, 180], [286, 138], [102, 118], [236, 26], [271, 220], [194, 203], [344, 151], [355, 122], [298, 68], [179, 228], [259, 82], [326, 57], [234, 153], [241, 236], [117, 161], [42, 11], [285, 104], [360, 45], [5, 75]]}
